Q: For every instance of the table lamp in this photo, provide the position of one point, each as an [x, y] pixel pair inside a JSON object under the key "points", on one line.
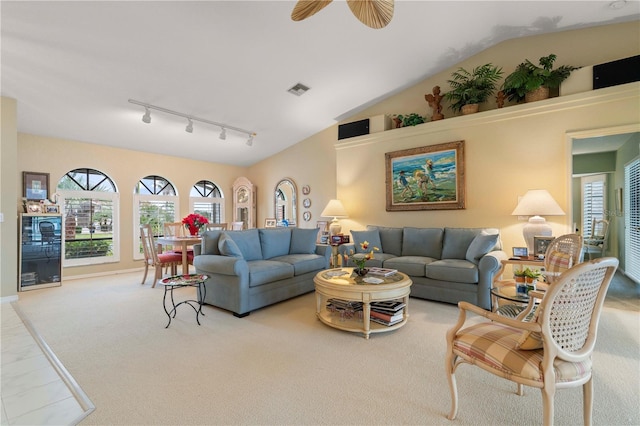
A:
{"points": [[336, 210], [537, 203]]}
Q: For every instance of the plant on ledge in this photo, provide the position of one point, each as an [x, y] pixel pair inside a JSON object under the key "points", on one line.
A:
{"points": [[360, 259], [194, 223], [472, 88], [528, 78], [412, 119]]}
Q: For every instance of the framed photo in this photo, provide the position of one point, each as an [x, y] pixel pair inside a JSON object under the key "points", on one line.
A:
{"points": [[306, 189], [323, 231], [426, 178], [33, 207], [306, 203], [52, 208], [270, 223], [540, 245], [35, 185], [520, 252], [336, 239]]}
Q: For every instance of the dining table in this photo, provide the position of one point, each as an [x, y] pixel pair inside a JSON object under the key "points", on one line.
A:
{"points": [[182, 244]]}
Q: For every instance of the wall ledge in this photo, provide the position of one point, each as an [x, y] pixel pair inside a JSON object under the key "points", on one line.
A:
{"points": [[514, 112]]}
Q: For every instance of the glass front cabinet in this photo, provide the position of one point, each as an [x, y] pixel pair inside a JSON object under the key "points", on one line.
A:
{"points": [[40, 250]]}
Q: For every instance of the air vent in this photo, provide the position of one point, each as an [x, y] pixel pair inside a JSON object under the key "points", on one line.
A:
{"points": [[299, 89]]}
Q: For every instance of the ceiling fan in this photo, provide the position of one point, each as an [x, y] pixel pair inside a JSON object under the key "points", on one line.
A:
{"points": [[373, 13]]}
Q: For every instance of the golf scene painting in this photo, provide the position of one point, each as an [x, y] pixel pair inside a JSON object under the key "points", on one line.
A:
{"points": [[426, 178]]}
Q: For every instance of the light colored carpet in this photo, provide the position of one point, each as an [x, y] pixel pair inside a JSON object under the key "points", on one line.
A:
{"points": [[280, 365]]}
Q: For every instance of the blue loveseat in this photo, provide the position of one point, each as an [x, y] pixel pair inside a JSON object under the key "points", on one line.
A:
{"points": [[445, 264], [254, 268]]}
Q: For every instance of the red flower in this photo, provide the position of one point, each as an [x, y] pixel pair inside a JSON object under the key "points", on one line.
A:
{"points": [[194, 222]]}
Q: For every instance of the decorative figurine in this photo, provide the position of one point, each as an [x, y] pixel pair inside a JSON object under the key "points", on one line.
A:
{"points": [[500, 97], [434, 102]]}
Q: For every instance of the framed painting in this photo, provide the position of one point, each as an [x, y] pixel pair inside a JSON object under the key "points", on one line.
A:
{"points": [[426, 178], [35, 185], [540, 245], [270, 223]]}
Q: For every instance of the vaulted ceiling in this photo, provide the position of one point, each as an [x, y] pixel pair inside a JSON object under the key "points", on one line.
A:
{"points": [[73, 66]]}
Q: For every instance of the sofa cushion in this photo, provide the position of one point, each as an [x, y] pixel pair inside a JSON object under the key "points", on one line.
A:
{"points": [[454, 270], [411, 265], [481, 245], [372, 236], [456, 242], [425, 242], [303, 263], [268, 271], [210, 242], [248, 242], [390, 238], [303, 241], [227, 247], [274, 242]]}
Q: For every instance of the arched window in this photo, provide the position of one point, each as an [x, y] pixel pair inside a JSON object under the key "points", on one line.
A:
{"points": [[155, 202], [207, 199], [90, 206]]}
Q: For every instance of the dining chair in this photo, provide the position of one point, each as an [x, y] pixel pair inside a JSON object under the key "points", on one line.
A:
{"points": [[596, 243], [154, 259], [562, 253], [237, 226], [212, 226], [47, 232], [552, 351]]}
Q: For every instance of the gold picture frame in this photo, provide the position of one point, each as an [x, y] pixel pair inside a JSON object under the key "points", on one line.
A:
{"points": [[270, 222], [35, 185], [426, 178]]}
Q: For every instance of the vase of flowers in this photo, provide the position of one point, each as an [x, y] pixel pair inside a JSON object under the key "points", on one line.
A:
{"points": [[360, 259], [194, 223]]}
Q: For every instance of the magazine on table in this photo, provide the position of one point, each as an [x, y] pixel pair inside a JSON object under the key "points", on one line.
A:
{"points": [[385, 272]]}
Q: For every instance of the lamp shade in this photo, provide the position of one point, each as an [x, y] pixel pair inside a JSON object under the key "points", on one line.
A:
{"points": [[536, 203], [334, 209]]}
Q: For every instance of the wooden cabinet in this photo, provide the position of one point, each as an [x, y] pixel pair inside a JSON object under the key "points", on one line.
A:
{"points": [[40, 261]]}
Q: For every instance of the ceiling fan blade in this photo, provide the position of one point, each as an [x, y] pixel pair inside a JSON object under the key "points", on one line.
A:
{"points": [[373, 13], [306, 8]]}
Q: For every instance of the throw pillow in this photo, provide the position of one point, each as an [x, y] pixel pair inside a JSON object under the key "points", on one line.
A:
{"points": [[530, 340], [481, 245], [303, 241], [559, 262], [371, 236], [228, 247]]}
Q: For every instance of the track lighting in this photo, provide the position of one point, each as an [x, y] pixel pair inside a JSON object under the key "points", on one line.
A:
{"points": [[189, 129]]}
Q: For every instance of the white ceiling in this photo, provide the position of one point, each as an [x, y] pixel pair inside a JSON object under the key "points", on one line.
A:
{"points": [[72, 66]]}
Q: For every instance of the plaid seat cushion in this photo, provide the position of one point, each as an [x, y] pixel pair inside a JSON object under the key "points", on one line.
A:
{"points": [[494, 345], [559, 262]]}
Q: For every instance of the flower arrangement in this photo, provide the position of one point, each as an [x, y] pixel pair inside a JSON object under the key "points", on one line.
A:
{"points": [[360, 259], [194, 222]]}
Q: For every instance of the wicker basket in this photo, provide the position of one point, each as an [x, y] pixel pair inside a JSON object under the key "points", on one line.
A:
{"points": [[469, 109], [537, 95]]}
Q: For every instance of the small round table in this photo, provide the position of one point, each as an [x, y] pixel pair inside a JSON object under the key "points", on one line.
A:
{"points": [[510, 293], [179, 281], [345, 286]]}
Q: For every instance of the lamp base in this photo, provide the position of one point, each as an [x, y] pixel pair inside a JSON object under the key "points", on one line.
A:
{"points": [[536, 227], [335, 228]]}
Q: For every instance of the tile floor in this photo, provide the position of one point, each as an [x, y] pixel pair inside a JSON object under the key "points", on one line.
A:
{"points": [[35, 388]]}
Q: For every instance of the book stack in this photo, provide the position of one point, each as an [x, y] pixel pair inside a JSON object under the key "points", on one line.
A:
{"points": [[388, 312], [343, 305], [385, 272]]}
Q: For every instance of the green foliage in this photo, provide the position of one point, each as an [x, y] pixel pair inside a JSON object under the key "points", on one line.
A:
{"points": [[473, 87], [86, 248], [531, 273], [519, 273], [528, 76], [411, 119]]}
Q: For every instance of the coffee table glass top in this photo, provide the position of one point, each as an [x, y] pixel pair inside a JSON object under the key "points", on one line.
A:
{"points": [[346, 276]]}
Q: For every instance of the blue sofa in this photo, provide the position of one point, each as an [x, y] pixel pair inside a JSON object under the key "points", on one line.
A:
{"points": [[254, 268], [445, 264]]}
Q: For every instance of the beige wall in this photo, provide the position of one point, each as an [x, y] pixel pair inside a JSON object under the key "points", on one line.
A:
{"points": [[8, 178], [125, 168]]}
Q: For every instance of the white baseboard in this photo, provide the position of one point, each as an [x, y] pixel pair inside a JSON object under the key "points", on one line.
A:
{"points": [[101, 274], [8, 299]]}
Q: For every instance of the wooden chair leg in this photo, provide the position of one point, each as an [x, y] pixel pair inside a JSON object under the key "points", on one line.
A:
{"points": [[587, 401], [548, 393], [453, 388], [157, 276], [146, 270]]}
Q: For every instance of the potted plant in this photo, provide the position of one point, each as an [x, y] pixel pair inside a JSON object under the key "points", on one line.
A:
{"points": [[531, 277], [530, 82], [471, 88], [408, 120]]}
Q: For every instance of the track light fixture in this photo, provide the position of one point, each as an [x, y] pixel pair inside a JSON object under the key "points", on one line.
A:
{"points": [[147, 115], [189, 129]]}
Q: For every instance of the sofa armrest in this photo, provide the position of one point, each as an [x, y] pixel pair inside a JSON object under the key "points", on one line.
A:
{"points": [[223, 265], [197, 249], [489, 265], [324, 250]]}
